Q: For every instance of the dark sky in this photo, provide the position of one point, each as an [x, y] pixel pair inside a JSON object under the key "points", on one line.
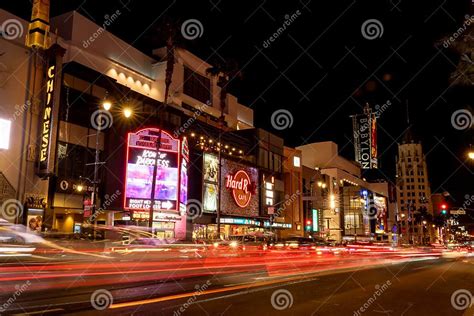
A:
{"points": [[322, 69]]}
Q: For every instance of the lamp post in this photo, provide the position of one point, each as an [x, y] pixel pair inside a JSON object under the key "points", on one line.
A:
{"points": [[107, 105], [153, 181]]}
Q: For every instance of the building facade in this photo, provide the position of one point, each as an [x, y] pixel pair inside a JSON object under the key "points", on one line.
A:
{"points": [[350, 208], [413, 192], [95, 105]]}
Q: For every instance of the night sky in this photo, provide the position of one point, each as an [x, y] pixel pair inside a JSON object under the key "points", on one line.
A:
{"points": [[322, 69]]}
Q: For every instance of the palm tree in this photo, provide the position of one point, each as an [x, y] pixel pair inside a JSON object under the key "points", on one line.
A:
{"points": [[225, 72]]}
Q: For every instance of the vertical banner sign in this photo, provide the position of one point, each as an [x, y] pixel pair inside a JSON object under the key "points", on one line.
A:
{"points": [[183, 182], [315, 220], [47, 119], [365, 139], [373, 142], [141, 157]]}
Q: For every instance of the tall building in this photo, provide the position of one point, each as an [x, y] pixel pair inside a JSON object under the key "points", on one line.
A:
{"points": [[413, 190]]}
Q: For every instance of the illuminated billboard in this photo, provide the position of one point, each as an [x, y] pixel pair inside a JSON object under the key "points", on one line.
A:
{"points": [[239, 185], [142, 155], [210, 183]]}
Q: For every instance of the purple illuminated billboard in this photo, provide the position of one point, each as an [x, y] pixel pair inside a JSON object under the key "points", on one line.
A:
{"points": [[141, 157]]}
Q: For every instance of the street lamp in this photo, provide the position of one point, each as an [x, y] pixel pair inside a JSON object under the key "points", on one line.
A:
{"points": [[127, 112], [107, 105], [470, 154]]}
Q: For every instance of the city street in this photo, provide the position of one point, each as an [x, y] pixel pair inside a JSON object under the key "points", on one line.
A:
{"points": [[213, 157], [214, 281]]}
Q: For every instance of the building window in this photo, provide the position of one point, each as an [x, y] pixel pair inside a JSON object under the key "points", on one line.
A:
{"points": [[197, 86], [296, 161], [5, 126]]}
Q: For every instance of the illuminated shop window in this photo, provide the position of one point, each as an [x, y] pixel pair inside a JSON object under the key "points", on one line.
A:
{"points": [[5, 126], [296, 161]]}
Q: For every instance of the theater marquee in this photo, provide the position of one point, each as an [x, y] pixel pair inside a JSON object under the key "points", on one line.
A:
{"points": [[141, 157]]}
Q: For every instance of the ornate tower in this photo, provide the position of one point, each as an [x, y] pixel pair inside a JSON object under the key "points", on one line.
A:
{"points": [[38, 29]]}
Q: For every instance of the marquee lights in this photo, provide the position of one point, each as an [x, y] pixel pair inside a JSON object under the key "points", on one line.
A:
{"points": [[205, 143]]}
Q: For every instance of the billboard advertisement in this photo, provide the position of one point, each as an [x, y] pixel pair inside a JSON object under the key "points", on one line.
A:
{"points": [[365, 139], [239, 185], [142, 155], [210, 183]]}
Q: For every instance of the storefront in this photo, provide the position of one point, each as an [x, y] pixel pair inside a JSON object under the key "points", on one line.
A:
{"points": [[237, 190]]}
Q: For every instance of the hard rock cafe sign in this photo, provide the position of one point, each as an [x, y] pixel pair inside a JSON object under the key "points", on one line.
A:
{"points": [[240, 185]]}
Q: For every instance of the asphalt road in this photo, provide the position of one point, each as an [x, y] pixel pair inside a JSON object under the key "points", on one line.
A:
{"points": [[416, 288], [422, 287]]}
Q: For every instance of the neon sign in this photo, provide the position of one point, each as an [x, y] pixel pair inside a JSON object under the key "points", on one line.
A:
{"points": [[141, 156], [46, 124], [239, 183]]}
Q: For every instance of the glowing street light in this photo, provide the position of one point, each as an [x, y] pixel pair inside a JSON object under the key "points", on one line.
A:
{"points": [[470, 154], [107, 105], [127, 112]]}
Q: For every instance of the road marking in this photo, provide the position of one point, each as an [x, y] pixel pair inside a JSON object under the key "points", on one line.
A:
{"points": [[42, 312]]}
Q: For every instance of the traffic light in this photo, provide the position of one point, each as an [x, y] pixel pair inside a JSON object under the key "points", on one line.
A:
{"points": [[443, 209], [308, 225]]}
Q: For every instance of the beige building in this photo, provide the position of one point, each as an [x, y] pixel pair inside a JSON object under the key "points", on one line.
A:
{"points": [[413, 191], [336, 187], [20, 106]]}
